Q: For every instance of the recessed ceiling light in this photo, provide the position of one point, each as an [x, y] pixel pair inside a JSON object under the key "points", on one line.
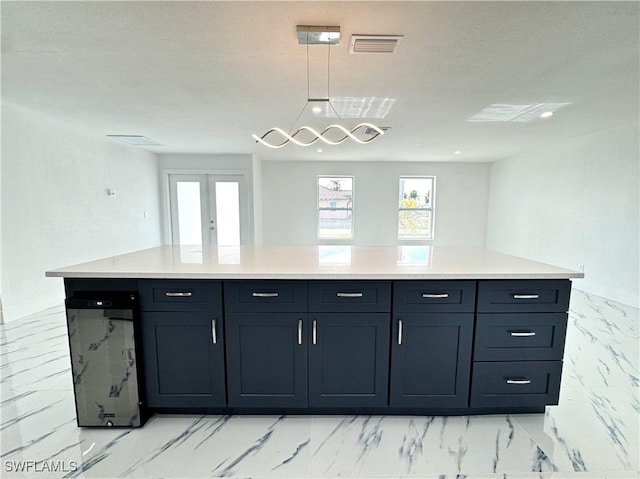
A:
{"points": [[457, 152], [316, 109], [546, 114], [319, 150], [136, 140]]}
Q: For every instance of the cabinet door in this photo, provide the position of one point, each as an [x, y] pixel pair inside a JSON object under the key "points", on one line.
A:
{"points": [[349, 359], [267, 360], [184, 359], [431, 360]]}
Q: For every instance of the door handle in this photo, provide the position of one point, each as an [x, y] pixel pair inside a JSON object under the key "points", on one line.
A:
{"points": [[299, 331], [526, 296], [349, 295], [432, 295], [522, 334], [214, 336], [314, 333], [518, 381], [178, 294], [399, 332], [265, 295]]}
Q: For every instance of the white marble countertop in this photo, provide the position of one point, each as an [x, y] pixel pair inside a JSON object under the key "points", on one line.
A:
{"points": [[315, 262]]}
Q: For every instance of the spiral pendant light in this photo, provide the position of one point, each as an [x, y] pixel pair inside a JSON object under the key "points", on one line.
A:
{"points": [[277, 137]]}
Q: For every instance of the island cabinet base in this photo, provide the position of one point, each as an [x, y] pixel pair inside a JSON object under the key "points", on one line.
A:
{"points": [[401, 347], [356, 411]]}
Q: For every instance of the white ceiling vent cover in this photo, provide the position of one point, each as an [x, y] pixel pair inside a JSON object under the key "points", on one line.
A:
{"points": [[374, 43]]}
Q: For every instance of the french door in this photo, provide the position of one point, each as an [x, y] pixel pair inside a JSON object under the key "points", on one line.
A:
{"points": [[208, 209]]}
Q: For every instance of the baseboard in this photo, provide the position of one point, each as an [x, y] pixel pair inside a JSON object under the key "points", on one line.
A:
{"points": [[20, 310], [622, 297]]}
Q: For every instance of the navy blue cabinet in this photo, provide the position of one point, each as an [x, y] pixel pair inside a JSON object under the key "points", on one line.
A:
{"points": [[183, 343], [516, 383], [266, 325], [431, 360], [349, 343], [281, 356], [431, 343], [184, 359], [266, 360], [519, 343], [348, 359], [353, 346]]}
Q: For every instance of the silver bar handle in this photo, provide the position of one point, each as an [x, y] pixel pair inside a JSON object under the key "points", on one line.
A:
{"points": [[518, 381], [314, 333], [214, 336], [399, 332], [522, 334], [299, 331], [349, 295], [432, 295], [178, 294], [526, 296], [265, 295]]}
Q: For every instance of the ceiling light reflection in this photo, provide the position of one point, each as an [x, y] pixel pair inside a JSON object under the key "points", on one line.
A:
{"points": [[516, 113]]}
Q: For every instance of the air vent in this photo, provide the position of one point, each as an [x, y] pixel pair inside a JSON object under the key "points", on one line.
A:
{"points": [[371, 131], [136, 140], [374, 43]]}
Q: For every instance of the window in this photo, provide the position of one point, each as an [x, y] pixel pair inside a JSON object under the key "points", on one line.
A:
{"points": [[415, 208], [335, 207]]}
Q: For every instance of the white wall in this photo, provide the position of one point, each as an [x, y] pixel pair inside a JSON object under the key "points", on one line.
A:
{"points": [[55, 208], [1, 304], [258, 224], [289, 192], [571, 204], [191, 161]]}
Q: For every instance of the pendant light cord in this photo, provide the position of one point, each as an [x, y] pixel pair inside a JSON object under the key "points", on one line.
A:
{"points": [[328, 70], [329, 80], [308, 90], [311, 135]]}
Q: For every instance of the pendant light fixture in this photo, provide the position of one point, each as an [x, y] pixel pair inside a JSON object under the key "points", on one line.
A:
{"points": [[318, 35]]}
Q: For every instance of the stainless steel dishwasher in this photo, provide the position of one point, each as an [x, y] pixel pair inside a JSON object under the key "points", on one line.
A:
{"points": [[104, 361]]}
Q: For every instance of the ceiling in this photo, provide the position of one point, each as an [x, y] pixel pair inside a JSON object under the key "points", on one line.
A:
{"points": [[201, 77]]}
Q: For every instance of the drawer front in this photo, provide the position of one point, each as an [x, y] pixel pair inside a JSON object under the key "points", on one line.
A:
{"points": [[541, 296], [520, 337], [350, 296], [265, 296], [434, 296], [517, 383], [180, 295]]}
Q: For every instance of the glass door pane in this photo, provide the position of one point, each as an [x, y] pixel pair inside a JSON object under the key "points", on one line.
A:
{"points": [[189, 209], [227, 208], [189, 212], [208, 209]]}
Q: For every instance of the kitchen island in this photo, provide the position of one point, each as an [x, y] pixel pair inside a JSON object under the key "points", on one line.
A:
{"points": [[339, 329]]}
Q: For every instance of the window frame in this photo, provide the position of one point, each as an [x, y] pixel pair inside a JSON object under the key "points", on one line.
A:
{"points": [[336, 239], [431, 209]]}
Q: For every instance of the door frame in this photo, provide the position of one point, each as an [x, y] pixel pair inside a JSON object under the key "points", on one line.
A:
{"points": [[166, 197]]}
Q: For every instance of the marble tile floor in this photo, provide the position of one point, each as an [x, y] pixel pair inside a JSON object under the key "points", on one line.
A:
{"points": [[592, 433]]}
